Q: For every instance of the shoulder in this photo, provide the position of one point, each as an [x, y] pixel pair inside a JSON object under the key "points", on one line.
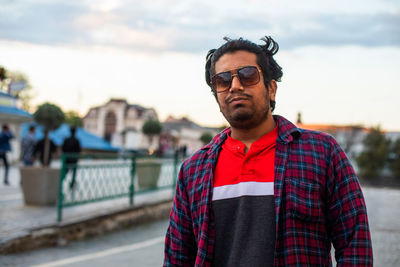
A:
{"points": [[317, 141], [196, 160], [315, 136]]}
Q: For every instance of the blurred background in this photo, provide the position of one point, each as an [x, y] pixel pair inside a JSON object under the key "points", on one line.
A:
{"points": [[130, 76], [340, 58]]}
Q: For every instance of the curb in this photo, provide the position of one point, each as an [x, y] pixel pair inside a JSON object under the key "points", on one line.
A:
{"points": [[60, 234]]}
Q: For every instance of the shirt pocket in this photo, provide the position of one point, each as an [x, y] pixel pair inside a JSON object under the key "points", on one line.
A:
{"points": [[303, 200]]}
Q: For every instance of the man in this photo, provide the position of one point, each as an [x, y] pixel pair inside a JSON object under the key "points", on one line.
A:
{"points": [[72, 145], [5, 136], [28, 147], [264, 192], [40, 149]]}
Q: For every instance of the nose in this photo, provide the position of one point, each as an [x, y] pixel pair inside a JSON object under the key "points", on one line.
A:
{"points": [[236, 84]]}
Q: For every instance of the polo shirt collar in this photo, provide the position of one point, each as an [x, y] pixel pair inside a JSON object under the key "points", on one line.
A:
{"points": [[287, 132]]}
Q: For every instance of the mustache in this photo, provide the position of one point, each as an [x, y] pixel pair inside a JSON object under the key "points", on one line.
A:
{"points": [[242, 95]]}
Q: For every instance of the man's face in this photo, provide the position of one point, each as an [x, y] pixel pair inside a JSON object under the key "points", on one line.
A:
{"points": [[243, 107]]}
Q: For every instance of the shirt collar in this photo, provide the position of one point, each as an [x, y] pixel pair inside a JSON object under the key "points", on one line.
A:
{"points": [[263, 142], [287, 132]]}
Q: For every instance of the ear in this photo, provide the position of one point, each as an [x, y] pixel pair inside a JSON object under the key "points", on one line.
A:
{"points": [[272, 87]]}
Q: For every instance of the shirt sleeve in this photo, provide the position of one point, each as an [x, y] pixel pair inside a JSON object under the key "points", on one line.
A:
{"points": [[180, 247], [347, 213]]}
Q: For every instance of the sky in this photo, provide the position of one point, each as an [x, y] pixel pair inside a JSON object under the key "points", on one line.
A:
{"points": [[340, 59]]}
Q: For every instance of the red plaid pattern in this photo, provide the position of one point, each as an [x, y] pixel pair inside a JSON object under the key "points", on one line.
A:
{"points": [[318, 202]]}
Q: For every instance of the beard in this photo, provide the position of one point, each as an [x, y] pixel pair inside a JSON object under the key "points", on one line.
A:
{"points": [[245, 117]]}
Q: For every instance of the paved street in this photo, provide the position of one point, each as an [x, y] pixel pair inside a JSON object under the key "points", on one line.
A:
{"points": [[143, 246], [384, 218], [16, 218]]}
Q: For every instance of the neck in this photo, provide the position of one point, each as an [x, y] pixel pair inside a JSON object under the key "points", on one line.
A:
{"points": [[248, 136]]}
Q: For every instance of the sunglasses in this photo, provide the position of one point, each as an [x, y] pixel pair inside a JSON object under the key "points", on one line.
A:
{"points": [[248, 75]]}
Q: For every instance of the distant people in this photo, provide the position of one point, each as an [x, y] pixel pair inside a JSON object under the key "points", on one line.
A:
{"points": [[72, 145], [28, 147], [39, 149], [5, 146], [184, 149]]}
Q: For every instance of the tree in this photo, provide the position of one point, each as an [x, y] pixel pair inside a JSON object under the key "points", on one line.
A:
{"points": [[375, 153], [151, 127], [3, 73], [73, 119], [206, 137], [50, 117], [23, 93], [394, 164]]}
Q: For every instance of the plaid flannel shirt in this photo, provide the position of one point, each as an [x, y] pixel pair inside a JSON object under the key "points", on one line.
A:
{"points": [[318, 202]]}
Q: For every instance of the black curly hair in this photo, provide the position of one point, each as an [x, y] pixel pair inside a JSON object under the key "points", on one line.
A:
{"points": [[269, 67]]}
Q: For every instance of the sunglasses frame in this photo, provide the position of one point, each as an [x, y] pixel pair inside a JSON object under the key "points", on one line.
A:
{"points": [[234, 72]]}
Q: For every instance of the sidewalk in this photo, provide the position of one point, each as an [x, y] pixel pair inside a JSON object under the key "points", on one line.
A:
{"points": [[19, 221]]}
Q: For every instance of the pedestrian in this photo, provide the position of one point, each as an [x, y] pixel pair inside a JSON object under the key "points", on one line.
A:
{"points": [[28, 147], [264, 192], [71, 145], [40, 149], [5, 147]]}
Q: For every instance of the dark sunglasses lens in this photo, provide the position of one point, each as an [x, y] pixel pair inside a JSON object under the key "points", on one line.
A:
{"points": [[249, 75], [222, 81]]}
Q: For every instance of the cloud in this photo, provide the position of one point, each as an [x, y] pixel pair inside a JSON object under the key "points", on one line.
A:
{"points": [[369, 30], [40, 22], [194, 26]]}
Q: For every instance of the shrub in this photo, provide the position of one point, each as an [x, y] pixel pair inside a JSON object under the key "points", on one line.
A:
{"points": [[375, 153], [50, 117]]}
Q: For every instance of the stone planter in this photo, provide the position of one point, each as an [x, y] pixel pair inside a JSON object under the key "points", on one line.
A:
{"points": [[40, 185], [148, 172]]}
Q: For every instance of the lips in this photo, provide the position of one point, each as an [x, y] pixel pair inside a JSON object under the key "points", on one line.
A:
{"points": [[238, 99]]}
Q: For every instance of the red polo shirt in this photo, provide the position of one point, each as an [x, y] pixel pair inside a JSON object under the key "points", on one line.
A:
{"points": [[257, 165], [243, 203]]}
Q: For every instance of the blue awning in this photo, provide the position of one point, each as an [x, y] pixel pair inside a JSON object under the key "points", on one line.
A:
{"points": [[9, 112], [87, 140], [15, 112]]}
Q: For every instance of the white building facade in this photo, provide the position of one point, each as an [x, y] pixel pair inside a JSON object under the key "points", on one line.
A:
{"points": [[120, 123]]}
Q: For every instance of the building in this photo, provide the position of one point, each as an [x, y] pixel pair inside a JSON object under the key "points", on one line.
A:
{"points": [[349, 137], [186, 133], [120, 123]]}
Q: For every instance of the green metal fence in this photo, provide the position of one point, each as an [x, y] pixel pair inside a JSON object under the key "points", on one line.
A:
{"points": [[100, 177]]}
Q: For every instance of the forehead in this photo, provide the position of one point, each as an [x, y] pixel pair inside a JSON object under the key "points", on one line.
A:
{"points": [[235, 60]]}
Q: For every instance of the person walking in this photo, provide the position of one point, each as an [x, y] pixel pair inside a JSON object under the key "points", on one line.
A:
{"points": [[264, 192], [40, 149], [28, 147], [5, 136], [72, 145]]}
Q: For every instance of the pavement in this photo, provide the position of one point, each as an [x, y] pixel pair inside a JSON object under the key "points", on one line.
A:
{"points": [[18, 220]]}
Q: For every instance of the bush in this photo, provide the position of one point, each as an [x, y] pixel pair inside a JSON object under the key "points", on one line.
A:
{"points": [[73, 119], [151, 128], [50, 117], [206, 138], [374, 156], [395, 158]]}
